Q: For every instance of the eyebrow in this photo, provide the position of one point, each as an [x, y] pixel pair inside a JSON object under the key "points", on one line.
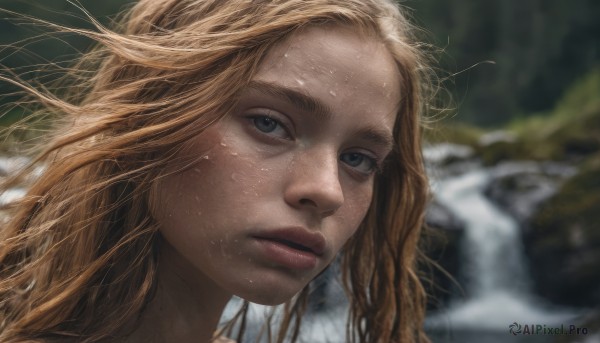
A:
{"points": [[302, 101], [319, 110]]}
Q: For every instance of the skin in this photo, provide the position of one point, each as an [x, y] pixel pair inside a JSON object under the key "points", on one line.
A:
{"points": [[268, 165]]}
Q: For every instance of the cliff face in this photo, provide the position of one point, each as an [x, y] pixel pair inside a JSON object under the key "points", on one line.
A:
{"points": [[563, 242]]}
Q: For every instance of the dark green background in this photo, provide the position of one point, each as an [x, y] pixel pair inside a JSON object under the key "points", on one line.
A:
{"points": [[539, 47]]}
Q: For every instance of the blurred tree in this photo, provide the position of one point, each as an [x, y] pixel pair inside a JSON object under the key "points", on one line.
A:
{"points": [[539, 46], [26, 46]]}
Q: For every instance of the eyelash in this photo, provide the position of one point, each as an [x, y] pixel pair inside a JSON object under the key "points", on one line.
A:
{"points": [[375, 165]]}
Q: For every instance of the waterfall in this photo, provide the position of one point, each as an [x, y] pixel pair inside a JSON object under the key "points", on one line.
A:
{"points": [[494, 273]]}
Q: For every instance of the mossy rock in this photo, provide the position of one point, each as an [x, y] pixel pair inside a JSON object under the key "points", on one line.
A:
{"points": [[541, 139], [457, 133], [564, 240]]}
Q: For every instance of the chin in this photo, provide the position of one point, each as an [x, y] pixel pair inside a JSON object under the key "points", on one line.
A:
{"points": [[269, 291], [268, 299]]}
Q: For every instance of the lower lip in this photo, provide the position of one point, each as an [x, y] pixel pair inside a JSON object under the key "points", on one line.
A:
{"points": [[287, 256]]}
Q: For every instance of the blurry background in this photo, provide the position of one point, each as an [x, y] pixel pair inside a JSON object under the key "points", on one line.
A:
{"points": [[514, 164]]}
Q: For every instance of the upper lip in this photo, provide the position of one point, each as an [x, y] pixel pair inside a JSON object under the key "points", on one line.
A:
{"points": [[311, 240]]}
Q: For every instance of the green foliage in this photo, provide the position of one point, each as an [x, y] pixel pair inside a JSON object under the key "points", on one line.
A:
{"points": [[582, 97], [456, 132], [539, 49], [571, 131]]}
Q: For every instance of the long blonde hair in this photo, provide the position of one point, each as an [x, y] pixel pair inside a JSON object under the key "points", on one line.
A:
{"points": [[78, 254]]}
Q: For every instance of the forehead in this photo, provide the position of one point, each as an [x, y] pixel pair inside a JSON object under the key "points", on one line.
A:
{"points": [[339, 66]]}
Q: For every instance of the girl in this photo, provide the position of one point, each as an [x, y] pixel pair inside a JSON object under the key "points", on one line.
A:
{"points": [[219, 148]]}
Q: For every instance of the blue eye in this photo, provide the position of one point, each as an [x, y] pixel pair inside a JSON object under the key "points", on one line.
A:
{"points": [[265, 124], [360, 162], [270, 126]]}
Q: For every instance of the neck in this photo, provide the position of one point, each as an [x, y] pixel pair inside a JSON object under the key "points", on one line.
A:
{"points": [[187, 305]]}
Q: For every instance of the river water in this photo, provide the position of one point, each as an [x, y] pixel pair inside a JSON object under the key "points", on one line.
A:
{"points": [[494, 271]]}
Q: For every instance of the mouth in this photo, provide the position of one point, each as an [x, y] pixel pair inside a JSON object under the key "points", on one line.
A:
{"points": [[295, 248], [291, 244], [296, 238]]}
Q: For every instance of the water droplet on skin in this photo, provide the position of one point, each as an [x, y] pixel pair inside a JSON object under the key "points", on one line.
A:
{"points": [[249, 281], [384, 84], [234, 154], [205, 157], [332, 93], [197, 198], [223, 144], [213, 242], [235, 177], [197, 170], [199, 213], [300, 82], [285, 55]]}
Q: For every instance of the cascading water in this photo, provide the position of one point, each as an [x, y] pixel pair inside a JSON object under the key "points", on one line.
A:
{"points": [[494, 273], [493, 265]]}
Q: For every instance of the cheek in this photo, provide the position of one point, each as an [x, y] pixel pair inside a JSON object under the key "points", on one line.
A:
{"points": [[352, 213]]}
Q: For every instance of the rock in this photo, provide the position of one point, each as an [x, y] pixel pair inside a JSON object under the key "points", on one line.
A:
{"points": [[496, 137], [591, 323], [563, 242], [441, 244], [447, 153], [520, 187], [440, 217]]}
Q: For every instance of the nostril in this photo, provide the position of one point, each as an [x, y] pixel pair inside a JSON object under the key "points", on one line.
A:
{"points": [[309, 202]]}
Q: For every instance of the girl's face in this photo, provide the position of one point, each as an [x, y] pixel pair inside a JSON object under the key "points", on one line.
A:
{"points": [[287, 178]]}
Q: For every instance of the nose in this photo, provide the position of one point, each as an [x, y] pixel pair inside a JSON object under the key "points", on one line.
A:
{"points": [[314, 184]]}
